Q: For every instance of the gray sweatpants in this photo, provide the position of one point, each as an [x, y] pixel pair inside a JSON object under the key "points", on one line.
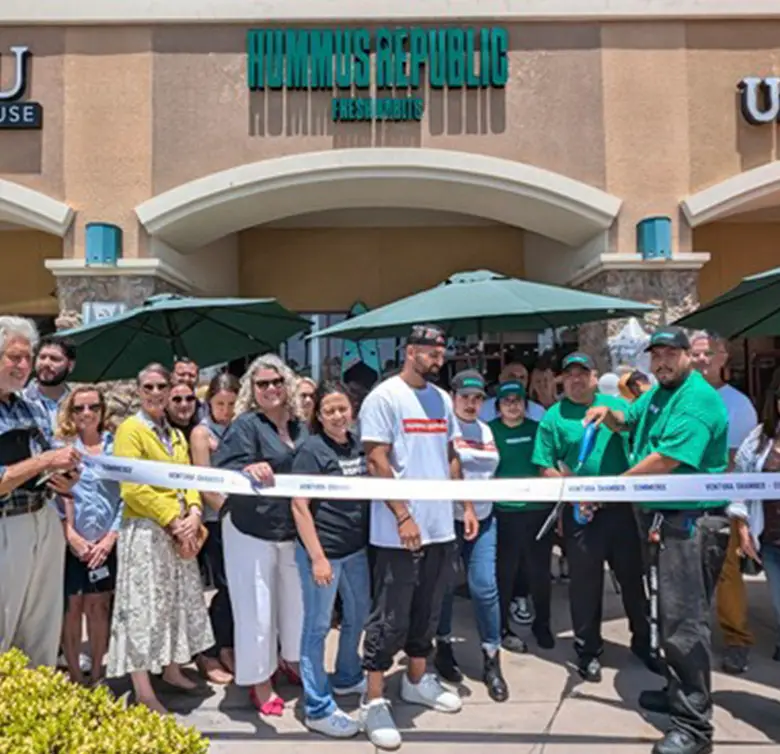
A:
{"points": [[32, 562]]}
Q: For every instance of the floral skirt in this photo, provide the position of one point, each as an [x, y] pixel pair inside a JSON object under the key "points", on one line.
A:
{"points": [[160, 615]]}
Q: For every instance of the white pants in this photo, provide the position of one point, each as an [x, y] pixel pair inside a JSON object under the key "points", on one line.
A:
{"points": [[32, 584], [265, 593]]}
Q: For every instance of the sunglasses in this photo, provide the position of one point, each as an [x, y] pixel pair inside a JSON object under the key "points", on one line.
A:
{"points": [[307, 396], [92, 407], [152, 387], [183, 399], [265, 384]]}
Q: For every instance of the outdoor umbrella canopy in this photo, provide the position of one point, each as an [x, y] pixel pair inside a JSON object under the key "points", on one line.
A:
{"points": [[470, 303], [208, 331], [751, 309]]}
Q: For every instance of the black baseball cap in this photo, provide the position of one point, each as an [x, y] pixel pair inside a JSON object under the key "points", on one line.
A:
{"points": [[426, 335], [511, 387], [672, 337], [469, 382], [578, 359]]}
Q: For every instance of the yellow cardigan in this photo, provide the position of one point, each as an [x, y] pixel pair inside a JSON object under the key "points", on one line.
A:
{"points": [[136, 439]]}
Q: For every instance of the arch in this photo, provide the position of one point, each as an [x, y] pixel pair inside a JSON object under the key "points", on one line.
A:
{"points": [[754, 189], [24, 206], [203, 210]]}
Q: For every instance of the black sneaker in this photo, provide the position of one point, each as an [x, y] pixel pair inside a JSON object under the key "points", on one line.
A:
{"points": [[735, 660], [655, 701], [544, 637], [679, 742], [492, 678], [589, 669], [445, 663], [512, 643]]}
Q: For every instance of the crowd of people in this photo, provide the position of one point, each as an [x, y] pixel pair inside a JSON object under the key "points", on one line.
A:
{"points": [[129, 558]]}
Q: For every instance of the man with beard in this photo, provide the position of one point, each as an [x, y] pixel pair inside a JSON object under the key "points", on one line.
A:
{"points": [[54, 361], [680, 426], [710, 356], [408, 427], [609, 533], [32, 544]]}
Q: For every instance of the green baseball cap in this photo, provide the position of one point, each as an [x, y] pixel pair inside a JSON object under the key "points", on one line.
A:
{"points": [[578, 359], [672, 337], [469, 382], [511, 388]]}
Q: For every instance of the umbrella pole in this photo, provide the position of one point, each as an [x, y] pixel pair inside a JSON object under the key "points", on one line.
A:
{"points": [[481, 361]]}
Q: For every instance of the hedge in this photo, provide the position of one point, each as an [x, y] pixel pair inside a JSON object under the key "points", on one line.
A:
{"points": [[42, 712]]}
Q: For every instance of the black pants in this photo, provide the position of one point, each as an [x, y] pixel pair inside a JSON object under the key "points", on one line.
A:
{"points": [[518, 548], [408, 591], [689, 565], [220, 611], [611, 537]]}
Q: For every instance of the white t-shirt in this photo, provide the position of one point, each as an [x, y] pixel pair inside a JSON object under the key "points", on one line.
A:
{"points": [[534, 411], [742, 415], [419, 425], [478, 454]]}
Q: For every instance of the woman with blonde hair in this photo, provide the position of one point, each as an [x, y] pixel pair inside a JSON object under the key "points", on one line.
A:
{"points": [[92, 514], [160, 620], [259, 533], [304, 397]]}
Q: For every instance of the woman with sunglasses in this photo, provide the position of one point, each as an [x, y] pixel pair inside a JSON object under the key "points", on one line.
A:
{"points": [[258, 533], [182, 409], [92, 518], [217, 664], [331, 555], [160, 619]]}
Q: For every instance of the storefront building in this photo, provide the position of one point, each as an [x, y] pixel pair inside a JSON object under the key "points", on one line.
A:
{"points": [[629, 147]]}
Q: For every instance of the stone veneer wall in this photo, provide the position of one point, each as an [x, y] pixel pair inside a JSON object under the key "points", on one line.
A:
{"points": [[74, 291], [674, 292]]}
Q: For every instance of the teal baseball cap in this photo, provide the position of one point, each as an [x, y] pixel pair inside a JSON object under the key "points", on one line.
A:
{"points": [[469, 382], [671, 337], [511, 388], [578, 359]]}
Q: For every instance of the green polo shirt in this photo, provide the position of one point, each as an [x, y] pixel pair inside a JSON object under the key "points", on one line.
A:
{"points": [[515, 447], [689, 424], [560, 434]]}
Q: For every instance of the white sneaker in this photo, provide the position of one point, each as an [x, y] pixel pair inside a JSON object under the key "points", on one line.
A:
{"points": [[430, 693], [358, 688], [336, 725], [521, 610], [379, 725], [85, 663]]}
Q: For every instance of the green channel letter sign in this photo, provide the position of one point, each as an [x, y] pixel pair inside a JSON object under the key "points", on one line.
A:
{"points": [[404, 58]]}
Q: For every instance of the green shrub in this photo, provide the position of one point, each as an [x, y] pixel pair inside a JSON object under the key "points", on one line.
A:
{"points": [[42, 712]]}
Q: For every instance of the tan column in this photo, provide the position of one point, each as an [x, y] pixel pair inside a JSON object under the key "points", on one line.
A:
{"points": [[108, 131]]}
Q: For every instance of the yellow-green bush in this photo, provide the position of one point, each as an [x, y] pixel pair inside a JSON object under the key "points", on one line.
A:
{"points": [[41, 712]]}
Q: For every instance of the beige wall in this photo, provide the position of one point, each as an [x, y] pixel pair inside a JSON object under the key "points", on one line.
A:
{"points": [[26, 286], [738, 250], [646, 111], [330, 269]]}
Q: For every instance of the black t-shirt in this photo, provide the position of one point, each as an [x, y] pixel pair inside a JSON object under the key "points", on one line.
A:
{"points": [[253, 438], [342, 525]]}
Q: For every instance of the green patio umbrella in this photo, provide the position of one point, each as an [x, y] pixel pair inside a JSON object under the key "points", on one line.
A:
{"points": [[207, 330], [471, 303], [751, 309]]}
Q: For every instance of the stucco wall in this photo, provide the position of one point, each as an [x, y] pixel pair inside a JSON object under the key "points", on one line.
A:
{"points": [[329, 269], [26, 285]]}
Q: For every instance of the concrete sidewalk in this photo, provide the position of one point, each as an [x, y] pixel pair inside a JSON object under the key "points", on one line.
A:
{"points": [[550, 711]]}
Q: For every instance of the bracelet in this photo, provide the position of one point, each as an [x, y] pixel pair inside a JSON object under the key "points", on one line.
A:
{"points": [[403, 520]]}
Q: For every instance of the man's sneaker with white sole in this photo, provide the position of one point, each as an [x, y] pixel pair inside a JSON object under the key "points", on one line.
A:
{"points": [[377, 721], [430, 693], [358, 688], [336, 725]]}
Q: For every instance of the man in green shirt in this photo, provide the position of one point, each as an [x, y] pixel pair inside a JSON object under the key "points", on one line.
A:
{"points": [[610, 536], [680, 426]]}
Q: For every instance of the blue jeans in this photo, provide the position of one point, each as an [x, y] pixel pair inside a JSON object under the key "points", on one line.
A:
{"points": [[770, 557], [351, 581], [479, 559]]}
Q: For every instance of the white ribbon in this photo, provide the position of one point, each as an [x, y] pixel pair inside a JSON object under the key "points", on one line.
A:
{"points": [[608, 489]]}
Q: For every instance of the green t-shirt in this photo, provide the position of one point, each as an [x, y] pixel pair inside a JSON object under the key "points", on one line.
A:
{"points": [[560, 434], [688, 423], [515, 446]]}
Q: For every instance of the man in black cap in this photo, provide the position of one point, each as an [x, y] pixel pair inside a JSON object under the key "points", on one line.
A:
{"points": [[598, 534], [408, 428], [680, 426]]}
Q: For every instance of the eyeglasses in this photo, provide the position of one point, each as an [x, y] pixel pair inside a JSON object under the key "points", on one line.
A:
{"points": [[92, 407], [265, 384], [152, 387], [307, 396], [183, 399]]}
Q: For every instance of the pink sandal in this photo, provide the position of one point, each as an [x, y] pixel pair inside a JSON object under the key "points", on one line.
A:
{"points": [[273, 707]]}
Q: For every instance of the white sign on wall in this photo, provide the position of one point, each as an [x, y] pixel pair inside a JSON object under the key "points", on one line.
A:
{"points": [[760, 99], [93, 311]]}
